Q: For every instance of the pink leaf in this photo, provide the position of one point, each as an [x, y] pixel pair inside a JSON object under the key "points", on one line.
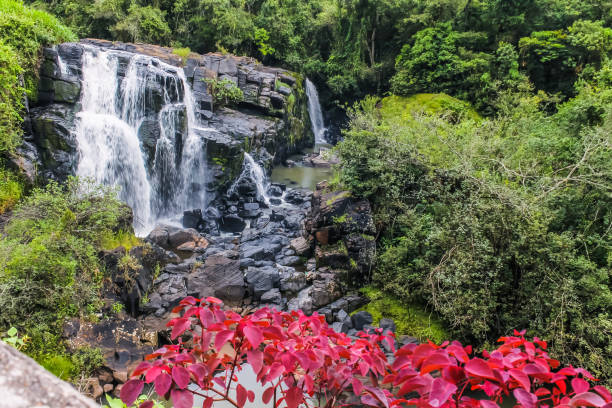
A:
{"points": [[521, 377], [152, 374], [130, 391], [180, 325], [479, 368], [241, 395], [267, 395], [588, 399], [526, 399], [604, 392], [379, 395], [435, 361], [357, 386], [250, 396], [253, 334], [488, 404], [223, 337], [214, 300], [579, 385], [293, 397], [181, 398], [441, 390], [208, 401], [198, 370], [146, 404], [142, 368], [162, 384], [255, 359], [275, 370], [180, 375]]}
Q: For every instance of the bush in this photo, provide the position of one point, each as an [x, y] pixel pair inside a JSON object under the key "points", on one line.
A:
{"points": [[143, 24], [224, 92], [49, 268], [300, 360]]}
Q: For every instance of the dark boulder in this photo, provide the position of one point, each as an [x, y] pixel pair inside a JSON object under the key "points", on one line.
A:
{"points": [[387, 324], [232, 223], [219, 277], [361, 319], [193, 219]]}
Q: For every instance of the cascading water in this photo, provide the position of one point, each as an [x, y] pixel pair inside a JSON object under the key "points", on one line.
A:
{"points": [[258, 176], [152, 98], [314, 111], [253, 171]]}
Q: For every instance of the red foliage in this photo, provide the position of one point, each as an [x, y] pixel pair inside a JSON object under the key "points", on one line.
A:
{"points": [[299, 358]]}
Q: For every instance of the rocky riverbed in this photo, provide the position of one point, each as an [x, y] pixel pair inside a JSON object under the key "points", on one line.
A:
{"points": [[309, 253]]}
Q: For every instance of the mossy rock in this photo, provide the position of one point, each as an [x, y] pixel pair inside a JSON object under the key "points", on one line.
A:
{"points": [[425, 103], [411, 320], [66, 91]]}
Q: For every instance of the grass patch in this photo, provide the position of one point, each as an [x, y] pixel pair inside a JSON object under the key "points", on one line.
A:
{"points": [[411, 320], [182, 52], [125, 239]]}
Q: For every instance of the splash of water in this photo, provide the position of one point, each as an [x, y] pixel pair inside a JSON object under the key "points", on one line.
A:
{"points": [[314, 111]]}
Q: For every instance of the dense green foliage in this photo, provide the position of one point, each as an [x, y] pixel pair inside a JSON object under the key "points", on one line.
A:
{"points": [[224, 91], [473, 50], [495, 224], [23, 30], [49, 268]]}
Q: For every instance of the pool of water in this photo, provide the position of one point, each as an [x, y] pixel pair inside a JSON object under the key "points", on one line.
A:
{"points": [[300, 176]]}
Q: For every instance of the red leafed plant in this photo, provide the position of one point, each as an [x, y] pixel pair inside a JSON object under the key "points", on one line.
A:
{"points": [[301, 362]]}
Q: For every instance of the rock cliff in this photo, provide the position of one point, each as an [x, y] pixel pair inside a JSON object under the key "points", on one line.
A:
{"points": [[272, 118]]}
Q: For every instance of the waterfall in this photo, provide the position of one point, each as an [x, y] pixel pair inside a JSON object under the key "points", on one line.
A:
{"points": [[258, 176], [131, 106], [253, 171], [314, 111]]}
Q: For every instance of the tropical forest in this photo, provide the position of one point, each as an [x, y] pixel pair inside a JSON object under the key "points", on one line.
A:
{"points": [[306, 203]]}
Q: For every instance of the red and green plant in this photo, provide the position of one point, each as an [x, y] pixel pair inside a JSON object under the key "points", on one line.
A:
{"points": [[300, 361]]}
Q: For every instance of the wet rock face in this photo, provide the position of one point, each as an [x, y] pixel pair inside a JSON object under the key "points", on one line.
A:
{"points": [[273, 115], [344, 231]]}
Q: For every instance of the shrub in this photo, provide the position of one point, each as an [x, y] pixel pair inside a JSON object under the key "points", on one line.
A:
{"points": [[495, 223], [182, 52], [49, 267], [122, 238], [224, 92], [299, 359]]}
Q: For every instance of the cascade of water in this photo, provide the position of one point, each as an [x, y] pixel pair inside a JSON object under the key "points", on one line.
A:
{"points": [[152, 100], [108, 147], [314, 111], [254, 172], [258, 176]]}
